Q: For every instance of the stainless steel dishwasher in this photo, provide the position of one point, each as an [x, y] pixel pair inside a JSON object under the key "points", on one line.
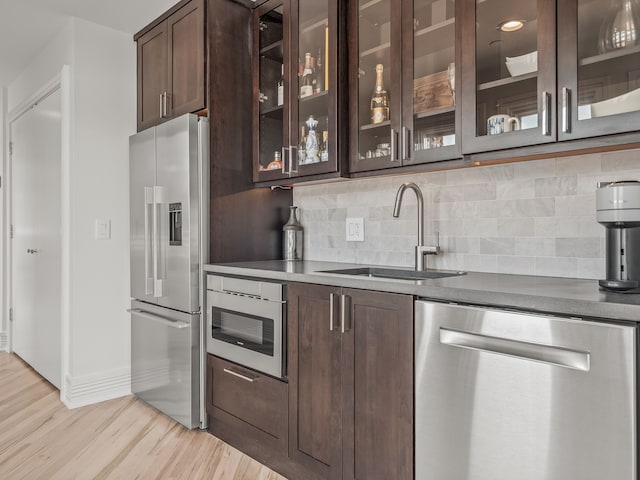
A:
{"points": [[503, 395]]}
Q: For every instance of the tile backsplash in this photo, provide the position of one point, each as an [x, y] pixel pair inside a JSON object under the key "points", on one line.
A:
{"points": [[536, 217]]}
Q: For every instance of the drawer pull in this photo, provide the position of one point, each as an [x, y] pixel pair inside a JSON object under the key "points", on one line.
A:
{"points": [[239, 375]]}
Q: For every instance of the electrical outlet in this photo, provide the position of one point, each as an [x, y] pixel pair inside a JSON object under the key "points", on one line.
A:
{"points": [[355, 230]]}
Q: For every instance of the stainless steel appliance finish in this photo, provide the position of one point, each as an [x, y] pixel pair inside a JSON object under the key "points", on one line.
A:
{"points": [[618, 209], [397, 273], [169, 175], [506, 395], [246, 323], [165, 366]]}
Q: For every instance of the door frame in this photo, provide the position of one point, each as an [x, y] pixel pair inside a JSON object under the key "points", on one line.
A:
{"points": [[61, 81]]}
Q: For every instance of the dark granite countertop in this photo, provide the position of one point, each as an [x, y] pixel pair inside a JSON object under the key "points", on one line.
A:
{"points": [[566, 296]]}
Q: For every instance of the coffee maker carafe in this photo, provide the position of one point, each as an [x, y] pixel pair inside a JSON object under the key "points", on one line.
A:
{"points": [[618, 209]]}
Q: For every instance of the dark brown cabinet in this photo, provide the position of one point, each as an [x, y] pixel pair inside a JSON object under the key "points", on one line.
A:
{"points": [[350, 383], [297, 86], [171, 64], [412, 44], [517, 94], [247, 409]]}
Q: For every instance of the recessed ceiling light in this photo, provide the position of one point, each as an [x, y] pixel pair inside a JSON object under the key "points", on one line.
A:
{"points": [[510, 25]]}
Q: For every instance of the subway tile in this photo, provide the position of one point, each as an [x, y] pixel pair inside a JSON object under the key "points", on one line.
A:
{"points": [[481, 227], [449, 193], [516, 189], [515, 227], [591, 268], [535, 247], [534, 169], [578, 164], [556, 267], [575, 205], [620, 161], [481, 191], [578, 247], [516, 265], [550, 187], [534, 207], [480, 263], [497, 246]]}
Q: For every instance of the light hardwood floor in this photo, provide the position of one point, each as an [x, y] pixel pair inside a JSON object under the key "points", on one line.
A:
{"points": [[119, 439]]}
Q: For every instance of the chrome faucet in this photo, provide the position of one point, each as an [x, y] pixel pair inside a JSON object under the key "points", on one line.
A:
{"points": [[421, 250]]}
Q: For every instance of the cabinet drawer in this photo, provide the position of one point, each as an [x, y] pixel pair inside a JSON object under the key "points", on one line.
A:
{"points": [[256, 399]]}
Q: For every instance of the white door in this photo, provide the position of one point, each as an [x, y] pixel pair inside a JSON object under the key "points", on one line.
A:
{"points": [[36, 245]]}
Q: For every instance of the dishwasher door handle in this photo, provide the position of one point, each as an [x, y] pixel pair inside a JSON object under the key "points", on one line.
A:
{"points": [[559, 356]]}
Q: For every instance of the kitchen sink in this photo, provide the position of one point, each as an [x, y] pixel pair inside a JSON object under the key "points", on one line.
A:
{"points": [[396, 273]]}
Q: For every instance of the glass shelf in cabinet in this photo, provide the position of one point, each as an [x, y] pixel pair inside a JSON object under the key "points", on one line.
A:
{"points": [[372, 126], [314, 24], [273, 51], [433, 113], [609, 56], [272, 112], [375, 10], [372, 51], [506, 81]]}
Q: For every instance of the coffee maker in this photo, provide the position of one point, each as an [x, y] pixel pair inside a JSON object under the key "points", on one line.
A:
{"points": [[618, 209]]}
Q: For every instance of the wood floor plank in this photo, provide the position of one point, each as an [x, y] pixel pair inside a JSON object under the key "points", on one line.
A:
{"points": [[122, 439]]}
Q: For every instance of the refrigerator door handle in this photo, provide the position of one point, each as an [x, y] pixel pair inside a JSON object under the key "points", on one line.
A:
{"points": [[161, 320], [157, 241], [148, 247]]}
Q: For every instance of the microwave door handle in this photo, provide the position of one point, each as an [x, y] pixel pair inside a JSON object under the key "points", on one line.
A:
{"points": [[157, 239], [148, 247], [157, 319]]}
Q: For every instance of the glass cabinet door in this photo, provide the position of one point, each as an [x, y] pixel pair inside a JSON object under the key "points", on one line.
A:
{"points": [[429, 66], [374, 84], [313, 142], [508, 74], [599, 68], [270, 114]]}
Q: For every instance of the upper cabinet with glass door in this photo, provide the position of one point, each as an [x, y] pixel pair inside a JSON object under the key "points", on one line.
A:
{"points": [[508, 73], [598, 68], [402, 83], [297, 96]]}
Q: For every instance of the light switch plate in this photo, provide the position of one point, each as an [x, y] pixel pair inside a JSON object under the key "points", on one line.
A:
{"points": [[355, 230], [103, 229]]}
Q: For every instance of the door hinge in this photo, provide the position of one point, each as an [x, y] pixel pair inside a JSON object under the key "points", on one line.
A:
{"points": [[12, 231], [10, 148], [11, 314]]}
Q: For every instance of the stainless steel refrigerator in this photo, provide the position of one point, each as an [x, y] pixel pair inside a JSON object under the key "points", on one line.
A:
{"points": [[169, 174]]}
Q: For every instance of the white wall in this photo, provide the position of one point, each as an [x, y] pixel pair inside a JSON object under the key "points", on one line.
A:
{"points": [[102, 116], [535, 218], [3, 115]]}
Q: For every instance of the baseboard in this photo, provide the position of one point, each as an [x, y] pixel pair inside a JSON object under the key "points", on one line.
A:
{"points": [[89, 389], [4, 342]]}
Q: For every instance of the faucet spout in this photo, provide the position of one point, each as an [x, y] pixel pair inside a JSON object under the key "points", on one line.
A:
{"points": [[420, 198], [421, 250]]}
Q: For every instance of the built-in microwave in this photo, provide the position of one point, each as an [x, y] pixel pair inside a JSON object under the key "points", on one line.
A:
{"points": [[246, 323]]}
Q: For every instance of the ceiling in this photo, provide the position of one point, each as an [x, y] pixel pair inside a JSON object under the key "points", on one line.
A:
{"points": [[27, 25]]}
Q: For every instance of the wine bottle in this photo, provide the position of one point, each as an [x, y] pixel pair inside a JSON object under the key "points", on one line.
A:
{"points": [[324, 156], [281, 87], [302, 147], [379, 99], [306, 87], [319, 73]]}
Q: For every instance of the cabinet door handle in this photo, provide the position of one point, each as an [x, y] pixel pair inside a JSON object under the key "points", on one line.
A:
{"points": [[293, 159], [161, 96], [343, 313], [394, 145], [546, 113], [331, 310], [284, 160], [566, 110], [239, 375], [406, 143]]}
